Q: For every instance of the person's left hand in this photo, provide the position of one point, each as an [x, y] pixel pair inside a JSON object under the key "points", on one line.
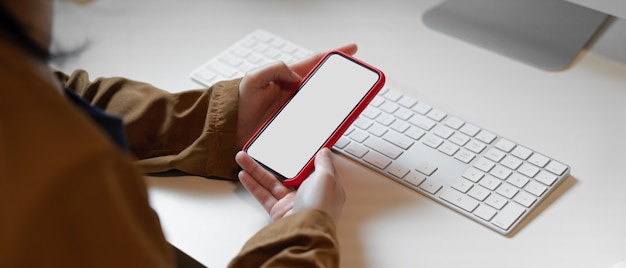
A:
{"points": [[321, 190], [261, 91]]}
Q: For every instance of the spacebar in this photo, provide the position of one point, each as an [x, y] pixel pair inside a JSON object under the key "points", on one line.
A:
{"points": [[383, 147]]}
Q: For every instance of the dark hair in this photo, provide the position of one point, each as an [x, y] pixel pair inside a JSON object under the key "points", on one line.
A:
{"points": [[11, 28]]}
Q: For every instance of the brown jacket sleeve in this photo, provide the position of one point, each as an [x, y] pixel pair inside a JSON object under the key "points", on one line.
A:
{"points": [[68, 197], [193, 131], [304, 239]]}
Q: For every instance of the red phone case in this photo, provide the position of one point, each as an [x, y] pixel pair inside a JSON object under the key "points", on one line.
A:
{"points": [[308, 168]]}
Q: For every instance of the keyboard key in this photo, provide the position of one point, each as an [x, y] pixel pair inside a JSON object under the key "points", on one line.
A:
{"points": [[556, 168], [470, 129], [362, 123], [414, 133], [377, 160], [206, 75], [496, 201], [518, 180], [407, 102], [370, 112], [528, 170], [538, 160], [436, 115], [389, 107], [535, 188], [425, 167], [341, 143], [524, 198], [356, 149], [358, 136], [495, 154], [231, 60], [462, 185], [448, 148], [431, 186], [475, 146], [422, 122], [385, 119], [383, 147], [484, 164], [546, 178], [485, 212], [422, 108], [507, 190], [415, 178], [479, 193], [223, 69], [505, 145], [398, 139], [473, 174], [500, 172], [432, 141], [511, 161], [400, 126], [508, 216], [459, 199], [464, 156], [376, 102], [490, 182], [486, 136], [521, 152], [349, 131], [392, 95], [399, 170], [403, 113], [443, 132], [454, 122], [459, 139], [377, 130]]}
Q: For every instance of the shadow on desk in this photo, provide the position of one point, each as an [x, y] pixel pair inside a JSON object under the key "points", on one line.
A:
{"points": [[565, 186], [190, 184]]}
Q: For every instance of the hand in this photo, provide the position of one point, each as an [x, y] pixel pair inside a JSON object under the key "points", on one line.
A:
{"points": [[321, 190], [261, 91]]}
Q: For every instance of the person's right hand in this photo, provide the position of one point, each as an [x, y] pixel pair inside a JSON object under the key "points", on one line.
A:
{"points": [[263, 90], [321, 190]]}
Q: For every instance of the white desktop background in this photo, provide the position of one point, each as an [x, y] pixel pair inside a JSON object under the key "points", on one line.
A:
{"points": [[577, 116]]}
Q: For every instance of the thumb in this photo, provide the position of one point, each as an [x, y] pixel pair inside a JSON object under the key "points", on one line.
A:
{"points": [[323, 161]]}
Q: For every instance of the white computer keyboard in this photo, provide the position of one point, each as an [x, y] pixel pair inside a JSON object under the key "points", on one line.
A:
{"points": [[486, 177]]}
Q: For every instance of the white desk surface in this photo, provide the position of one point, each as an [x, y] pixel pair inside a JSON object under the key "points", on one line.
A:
{"points": [[577, 116]]}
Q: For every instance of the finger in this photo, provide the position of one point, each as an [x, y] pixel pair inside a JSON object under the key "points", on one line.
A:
{"points": [[262, 195], [348, 49], [263, 177], [304, 66], [324, 162], [277, 72]]}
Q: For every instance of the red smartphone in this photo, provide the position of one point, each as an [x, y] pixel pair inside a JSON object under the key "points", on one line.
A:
{"points": [[324, 105]]}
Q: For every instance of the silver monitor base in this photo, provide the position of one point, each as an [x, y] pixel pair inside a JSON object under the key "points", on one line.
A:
{"points": [[548, 34]]}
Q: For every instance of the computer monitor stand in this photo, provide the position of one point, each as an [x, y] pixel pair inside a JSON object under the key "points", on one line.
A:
{"points": [[548, 34]]}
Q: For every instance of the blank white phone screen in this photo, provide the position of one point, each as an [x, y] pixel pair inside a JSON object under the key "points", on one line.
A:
{"points": [[309, 119]]}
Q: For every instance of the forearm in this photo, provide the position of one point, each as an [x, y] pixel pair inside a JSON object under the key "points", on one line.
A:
{"points": [[192, 131]]}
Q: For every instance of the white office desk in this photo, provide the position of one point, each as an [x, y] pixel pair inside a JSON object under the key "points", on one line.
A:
{"points": [[577, 116]]}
